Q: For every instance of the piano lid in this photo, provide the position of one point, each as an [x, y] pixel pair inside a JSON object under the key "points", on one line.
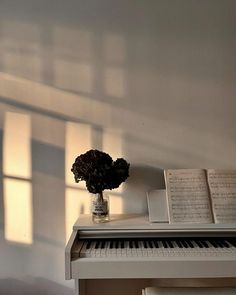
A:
{"points": [[138, 222]]}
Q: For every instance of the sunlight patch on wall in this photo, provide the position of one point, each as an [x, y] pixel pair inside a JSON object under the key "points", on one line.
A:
{"points": [[78, 141], [17, 145], [77, 202], [18, 211]]}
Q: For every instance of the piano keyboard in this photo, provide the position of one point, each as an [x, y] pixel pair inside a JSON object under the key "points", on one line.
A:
{"points": [[130, 247], [157, 247]]}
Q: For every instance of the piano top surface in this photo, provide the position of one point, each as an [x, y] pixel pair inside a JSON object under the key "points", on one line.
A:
{"points": [[141, 222]]}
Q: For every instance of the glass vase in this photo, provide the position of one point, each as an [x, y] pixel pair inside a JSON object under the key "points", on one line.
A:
{"points": [[100, 208]]}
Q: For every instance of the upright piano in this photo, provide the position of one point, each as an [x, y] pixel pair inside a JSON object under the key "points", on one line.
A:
{"points": [[130, 247]]}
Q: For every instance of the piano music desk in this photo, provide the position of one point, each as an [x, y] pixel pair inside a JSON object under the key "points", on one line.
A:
{"points": [[129, 253]]}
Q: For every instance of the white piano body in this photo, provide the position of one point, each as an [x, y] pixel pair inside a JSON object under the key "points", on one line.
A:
{"points": [[130, 247]]}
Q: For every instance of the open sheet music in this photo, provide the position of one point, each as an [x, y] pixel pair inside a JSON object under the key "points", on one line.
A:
{"points": [[222, 186], [201, 196]]}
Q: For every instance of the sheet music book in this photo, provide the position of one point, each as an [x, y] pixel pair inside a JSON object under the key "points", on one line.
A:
{"points": [[201, 196]]}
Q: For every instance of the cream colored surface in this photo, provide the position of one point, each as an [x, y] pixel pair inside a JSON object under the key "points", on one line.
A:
{"points": [[18, 211], [17, 145], [160, 75]]}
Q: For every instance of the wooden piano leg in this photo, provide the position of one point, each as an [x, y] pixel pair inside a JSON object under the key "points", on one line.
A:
{"points": [[80, 287]]}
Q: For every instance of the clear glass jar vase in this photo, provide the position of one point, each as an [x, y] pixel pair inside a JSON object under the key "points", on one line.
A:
{"points": [[100, 208]]}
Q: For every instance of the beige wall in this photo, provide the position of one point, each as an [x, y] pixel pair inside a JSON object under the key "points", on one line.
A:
{"points": [[151, 81]]}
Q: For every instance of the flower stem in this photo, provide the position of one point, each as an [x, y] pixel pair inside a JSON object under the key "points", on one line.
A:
{"points": [[100, 197]]}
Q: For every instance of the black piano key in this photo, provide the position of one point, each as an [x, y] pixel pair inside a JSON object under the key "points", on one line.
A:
{"points": [[130, 244], [136, 244], [169, 243], [199, 244], [219, 244], [150, 244], [184, 244], [156, 243], [103, 244], [233, 242], [225, 243], [122, 244], [145, 244], [204, 243], [213, 243], [116, 244], [190, 244], [179, 244], [88, 245], [111, 245], [164, 244], [97, 244]]}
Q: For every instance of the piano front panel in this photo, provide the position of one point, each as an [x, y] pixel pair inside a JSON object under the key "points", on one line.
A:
{"points": [[148, 268]]}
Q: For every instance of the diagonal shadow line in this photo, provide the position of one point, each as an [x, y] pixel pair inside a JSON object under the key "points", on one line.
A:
{"points": [[37, 110]]}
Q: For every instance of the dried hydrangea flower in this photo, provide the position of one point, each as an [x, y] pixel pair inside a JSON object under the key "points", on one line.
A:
{"points": [[99, 171]]}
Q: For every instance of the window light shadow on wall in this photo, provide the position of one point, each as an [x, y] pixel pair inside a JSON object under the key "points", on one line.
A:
{"points": [[17, 176]]}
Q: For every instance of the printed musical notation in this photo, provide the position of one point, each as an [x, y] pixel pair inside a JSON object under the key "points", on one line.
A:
{"points": [[187, 195], [222, 185]]}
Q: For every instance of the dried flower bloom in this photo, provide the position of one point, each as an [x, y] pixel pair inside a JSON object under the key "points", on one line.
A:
{"points": [[99, 171]]}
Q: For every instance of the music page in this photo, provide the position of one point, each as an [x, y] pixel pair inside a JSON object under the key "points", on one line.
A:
{"points": [[188, 196], [222, 185]]}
